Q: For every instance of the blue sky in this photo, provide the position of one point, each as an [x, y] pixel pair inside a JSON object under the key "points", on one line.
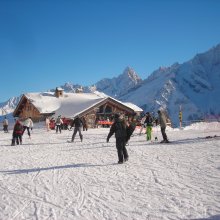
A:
{"points": [[45, 43]]}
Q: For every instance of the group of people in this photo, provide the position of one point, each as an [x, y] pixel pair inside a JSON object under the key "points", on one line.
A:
{"points": [[78, 123], [123, 131], [19, 129], [63, 123], [148, 121]]}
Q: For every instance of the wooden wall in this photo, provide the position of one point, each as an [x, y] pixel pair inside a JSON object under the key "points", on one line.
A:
{"points": [[92, 116], [28, 110]]}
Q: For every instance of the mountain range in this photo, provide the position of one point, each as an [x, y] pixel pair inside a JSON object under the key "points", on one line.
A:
{"points": [[193, 87]]}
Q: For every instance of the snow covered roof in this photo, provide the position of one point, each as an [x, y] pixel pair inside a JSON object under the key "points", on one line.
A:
{"points": [[70, 104], [59, 89], [44, 102], [73, 104], [130, 105], [133, 106]]}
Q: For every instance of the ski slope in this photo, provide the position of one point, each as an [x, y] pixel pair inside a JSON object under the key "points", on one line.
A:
{"points": [[48, 178]]}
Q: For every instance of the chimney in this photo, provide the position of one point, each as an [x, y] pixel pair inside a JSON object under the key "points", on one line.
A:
{"points": [[79, 90], [58, 92]]}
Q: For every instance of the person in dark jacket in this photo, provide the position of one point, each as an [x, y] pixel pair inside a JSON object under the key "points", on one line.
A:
{"points": [[17, 133], [130, 127], [148, 123], [77, 124], [119, 128], [85, 126]]}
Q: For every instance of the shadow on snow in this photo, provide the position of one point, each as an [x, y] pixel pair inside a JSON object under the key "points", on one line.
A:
{"points": [[80, 165]]}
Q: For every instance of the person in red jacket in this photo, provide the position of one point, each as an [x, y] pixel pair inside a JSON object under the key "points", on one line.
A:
{"points": [[17, 133]]}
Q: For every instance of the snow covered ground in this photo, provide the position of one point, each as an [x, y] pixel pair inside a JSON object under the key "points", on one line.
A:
{"points": [[48, 178]]}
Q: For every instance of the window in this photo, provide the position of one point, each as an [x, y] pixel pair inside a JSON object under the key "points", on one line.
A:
{"points": [[108, 109]]}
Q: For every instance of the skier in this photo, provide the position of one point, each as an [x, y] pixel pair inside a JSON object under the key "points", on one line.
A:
{"points": [[77, 123], [5, 125], [47, 123], [120, 129], [142, 124], [149, 123], [17, 133], [162, 121], [28, 124], [131, 125], [85, 126], [59, 122]]}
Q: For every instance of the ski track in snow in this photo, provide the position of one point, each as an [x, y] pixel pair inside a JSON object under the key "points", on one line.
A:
{"points": [[49, 178]]}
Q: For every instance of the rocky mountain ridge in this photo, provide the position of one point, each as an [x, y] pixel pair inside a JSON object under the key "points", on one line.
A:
{"points": [[192, 87]]}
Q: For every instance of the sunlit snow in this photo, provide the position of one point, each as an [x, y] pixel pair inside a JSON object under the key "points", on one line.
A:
{"points": [[49, 178]]}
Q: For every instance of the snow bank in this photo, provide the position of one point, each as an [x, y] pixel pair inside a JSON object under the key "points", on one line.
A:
{"points": [[204, 126]]}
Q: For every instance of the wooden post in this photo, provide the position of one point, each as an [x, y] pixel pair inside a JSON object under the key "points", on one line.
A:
{"points": [[180, 116]]}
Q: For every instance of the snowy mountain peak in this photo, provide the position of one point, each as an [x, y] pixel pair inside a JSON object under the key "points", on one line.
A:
{"points": [[68, 86], [9, 106], [193, 85], [120, 85], [129, 72]]}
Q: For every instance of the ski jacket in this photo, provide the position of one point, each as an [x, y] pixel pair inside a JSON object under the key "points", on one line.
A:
{"points": [[18, 128], [149, 120], [28, 123], [5, 122], [162, 120], [77, 122], [84, 122], [119, 129], [47, 121], [59, 121]]}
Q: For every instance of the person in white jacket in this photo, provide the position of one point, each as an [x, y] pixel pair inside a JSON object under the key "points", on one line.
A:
{"points": [[59, 122], [28, 124], [47, 123], [5, 125]]}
